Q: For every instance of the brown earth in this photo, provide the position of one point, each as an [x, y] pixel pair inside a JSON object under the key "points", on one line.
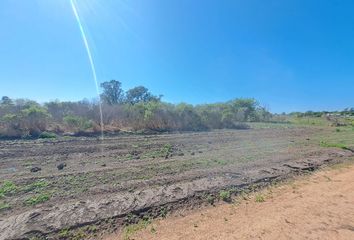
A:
{"points": [[317, 207], [124, 177]]}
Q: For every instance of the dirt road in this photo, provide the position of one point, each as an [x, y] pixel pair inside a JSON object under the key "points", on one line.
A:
{"points": [[320, 206]]}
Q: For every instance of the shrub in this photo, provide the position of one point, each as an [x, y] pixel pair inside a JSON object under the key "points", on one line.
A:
{"points": [[259, 198], [77, 123], [225, 196], [34, 120], [47, 135]]}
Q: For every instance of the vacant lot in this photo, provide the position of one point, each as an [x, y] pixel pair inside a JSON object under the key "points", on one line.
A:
{"points": [[108, 183]]}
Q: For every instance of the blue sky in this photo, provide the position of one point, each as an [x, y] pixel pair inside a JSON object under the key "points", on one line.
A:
{"points": [[290, 55]]}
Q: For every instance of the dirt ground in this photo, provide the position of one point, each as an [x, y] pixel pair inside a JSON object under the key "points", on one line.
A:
{"points": [[320, 206], [104, 185]]}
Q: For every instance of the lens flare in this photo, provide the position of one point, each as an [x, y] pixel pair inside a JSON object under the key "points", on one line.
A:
{"points": [[88, 50]]}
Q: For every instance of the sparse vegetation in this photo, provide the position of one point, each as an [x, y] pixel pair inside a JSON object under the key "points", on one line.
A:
{"points": [[259, 198], [7, 188], [133, 228], [64, 233], [225, 195], [35, 187], [163, 212], [137, 110], [210, 199], [4, 206], [37, 199], [47, 135], [152, 162], [335, 145]]}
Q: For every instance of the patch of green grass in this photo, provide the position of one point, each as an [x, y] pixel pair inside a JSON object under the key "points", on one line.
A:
{"points": [[131, 229], [7, 187], [64, 233], [210, 199], [37, 238], [4, 206], [164, 151], [47, 135], [36, 186], [220, 162], [259, 198], [40, 198], [225, 195], [163, 212], [335, 145], [79, 235], [314, 121], [91, 229]]}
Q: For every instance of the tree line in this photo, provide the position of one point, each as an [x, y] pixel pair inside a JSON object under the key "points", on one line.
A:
{"points": [[134, 110]]}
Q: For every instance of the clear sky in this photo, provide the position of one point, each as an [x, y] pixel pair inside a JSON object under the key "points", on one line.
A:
{"points": [[290, 55]]}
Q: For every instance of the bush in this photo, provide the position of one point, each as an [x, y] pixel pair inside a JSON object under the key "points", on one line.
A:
{"points": [[225, 196], [47, 135], [30, 121], [144, 111], [77, 123]]}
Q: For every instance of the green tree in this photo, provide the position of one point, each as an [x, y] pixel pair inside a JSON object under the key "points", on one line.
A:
{"points": [[112, 92], [140, 94], [5, 100]]}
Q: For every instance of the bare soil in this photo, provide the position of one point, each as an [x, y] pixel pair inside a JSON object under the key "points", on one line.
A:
{"points": [[117, 181], [317, 207]]}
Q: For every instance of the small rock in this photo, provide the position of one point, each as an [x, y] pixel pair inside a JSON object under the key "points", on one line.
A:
{"points": [[103, 165], [61, 166], [36, 169], [192, 153]]}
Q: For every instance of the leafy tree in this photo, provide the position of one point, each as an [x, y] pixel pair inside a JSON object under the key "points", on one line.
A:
{"points": [[34, 120], [112, 92], [140, 94], [5, 100], [189, 119]]}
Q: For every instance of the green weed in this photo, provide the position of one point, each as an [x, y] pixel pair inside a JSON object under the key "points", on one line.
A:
{"points": [[36, 186], [335, 145], [43, 197], [131, 229], [7, 187], [47, 135], [4, 206], [64, 233], [259, 198], [210, 199], [225, 196]]}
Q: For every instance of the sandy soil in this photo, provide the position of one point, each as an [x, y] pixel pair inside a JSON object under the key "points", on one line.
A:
{"points": [[320, 206]]}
